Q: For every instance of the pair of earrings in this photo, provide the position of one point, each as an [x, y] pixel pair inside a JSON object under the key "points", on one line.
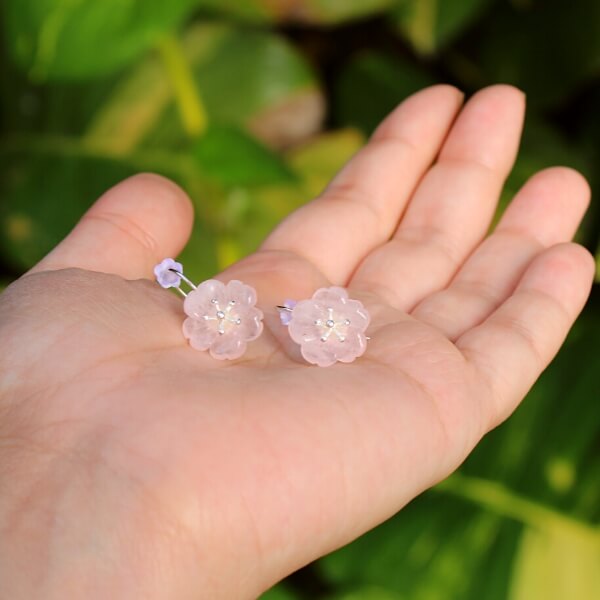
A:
{"points": [[223, 318]]}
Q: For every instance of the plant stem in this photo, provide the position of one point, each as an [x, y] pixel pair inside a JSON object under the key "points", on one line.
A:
{"points": [[187, 96], [499, 499]]}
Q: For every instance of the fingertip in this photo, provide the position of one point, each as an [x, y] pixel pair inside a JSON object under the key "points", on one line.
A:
{"points": [[583, 260], [571, 179], [158, 208], [488, 129], [505, 92], [565, 272], [155, 197], [550, 205], [130, 228], [442, 90], [574, 186], [499, 101], [424, 113], [436, 93]]}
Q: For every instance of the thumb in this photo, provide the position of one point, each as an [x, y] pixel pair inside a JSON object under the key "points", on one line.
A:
{"points": [[128, 230]]}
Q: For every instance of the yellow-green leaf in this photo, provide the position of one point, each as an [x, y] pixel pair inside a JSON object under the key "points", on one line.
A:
{"points": [[73, 39], [557, 562], [429, 24]]}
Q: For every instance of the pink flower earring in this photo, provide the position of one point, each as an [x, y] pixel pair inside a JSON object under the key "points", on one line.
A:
{"points": [[330, 327], [222, 318]]}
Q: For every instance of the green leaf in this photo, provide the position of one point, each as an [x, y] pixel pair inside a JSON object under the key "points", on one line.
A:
{"points": [[502, 524], [305, 11], [543, 146], [4, 283], [541, 47], [256, 80], [430, 24], [279, 592], [260, 79], [43, 197], [200, 253], [69, 39], [248, 214], [47, 183], [251, 11], [319, 160], [368, 593], [372, 84], [233, 158], [139, 99], [235, 209], [555, 563], [134, 106]]}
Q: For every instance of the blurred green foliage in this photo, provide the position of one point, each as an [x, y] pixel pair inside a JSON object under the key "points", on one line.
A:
{"points": [[252, 106]]}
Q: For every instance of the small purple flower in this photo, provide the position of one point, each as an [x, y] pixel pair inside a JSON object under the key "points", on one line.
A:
{"points": [[222, 318], [165, 277], [329, 327]]}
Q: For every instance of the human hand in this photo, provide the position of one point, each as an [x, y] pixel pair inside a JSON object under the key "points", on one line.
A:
{"points": [[134, 467]]}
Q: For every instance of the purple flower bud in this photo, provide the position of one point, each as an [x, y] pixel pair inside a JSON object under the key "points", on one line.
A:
{"points": [[286, 315], [165, 276]]}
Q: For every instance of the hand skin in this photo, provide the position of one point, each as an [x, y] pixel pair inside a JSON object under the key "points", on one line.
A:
{"points": [[132, 466]]}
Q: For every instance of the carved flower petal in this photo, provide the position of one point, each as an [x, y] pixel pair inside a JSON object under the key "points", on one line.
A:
{"points": [[199, 301], [330, 295], [353, 346], [242, 294], [302, 326], [251, 325], [318, 353], [199, 333], [228, 346], [357, 314]]}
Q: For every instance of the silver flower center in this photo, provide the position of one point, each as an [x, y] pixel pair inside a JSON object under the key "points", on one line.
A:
{"points": [[330, 325], [225, 319]]}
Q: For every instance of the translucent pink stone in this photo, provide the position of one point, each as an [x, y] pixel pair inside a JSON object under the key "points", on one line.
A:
{"points": [[329, 327], [222, 318]]}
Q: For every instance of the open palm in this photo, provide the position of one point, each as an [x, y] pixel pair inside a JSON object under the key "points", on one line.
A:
{"points": [[135, 467]]}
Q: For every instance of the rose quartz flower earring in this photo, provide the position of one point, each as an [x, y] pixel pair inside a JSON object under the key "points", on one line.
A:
{"points": [[330, 327], [222, 318]]}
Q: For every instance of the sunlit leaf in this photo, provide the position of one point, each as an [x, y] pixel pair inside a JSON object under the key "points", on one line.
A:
{"points": [[249, 214], [234, 158], [368, 593], [306, 11], [249, 78], [200, 253], [319, 160], [43, 198], [79, 39], [429, 24], [279, 592], [556, 563], [47, 183], [502, 524]]}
